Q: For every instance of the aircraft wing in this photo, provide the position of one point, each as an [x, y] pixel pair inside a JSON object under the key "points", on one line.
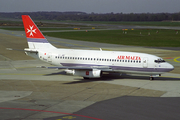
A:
{"points": [[102, 68]]}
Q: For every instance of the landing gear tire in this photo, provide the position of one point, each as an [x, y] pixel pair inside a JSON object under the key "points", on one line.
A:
{"points": [[151, 78], [86, 78]]}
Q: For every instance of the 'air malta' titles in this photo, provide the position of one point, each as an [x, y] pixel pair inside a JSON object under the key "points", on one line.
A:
{"points": [[122, 57]]}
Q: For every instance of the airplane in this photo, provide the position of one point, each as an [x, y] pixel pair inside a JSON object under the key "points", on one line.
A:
{"points": [[91, 63]]}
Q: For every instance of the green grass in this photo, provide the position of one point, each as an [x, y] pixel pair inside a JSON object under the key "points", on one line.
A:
{"points": [[146, 23], [54, 24], [43, 29], [164, 38], [14, 28]]}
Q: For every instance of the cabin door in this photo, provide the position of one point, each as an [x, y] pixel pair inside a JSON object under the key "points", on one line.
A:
{"points": [[145, 62], [49, 57]]}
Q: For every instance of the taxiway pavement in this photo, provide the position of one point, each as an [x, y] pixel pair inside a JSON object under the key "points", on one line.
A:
{"points": [[31, 93]]}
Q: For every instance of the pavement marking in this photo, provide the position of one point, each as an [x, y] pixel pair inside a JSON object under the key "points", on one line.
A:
{"points": [[50, 112], [73, 44], [169, 77], [78, 45], [67, 75], [175, 59], [69, 117], [19, 74], [16, 67]]}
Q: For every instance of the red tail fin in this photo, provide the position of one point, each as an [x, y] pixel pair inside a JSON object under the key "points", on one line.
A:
{"points": [[31, 29], [35, 38]]}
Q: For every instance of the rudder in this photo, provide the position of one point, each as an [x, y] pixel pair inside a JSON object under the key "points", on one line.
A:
{"points": [[35, 38]]}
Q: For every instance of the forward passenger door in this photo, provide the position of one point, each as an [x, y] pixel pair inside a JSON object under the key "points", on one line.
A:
{"points": [[145, 62]]}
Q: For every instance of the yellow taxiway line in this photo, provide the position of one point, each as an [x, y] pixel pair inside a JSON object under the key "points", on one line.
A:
{"points": [[175, 59]]}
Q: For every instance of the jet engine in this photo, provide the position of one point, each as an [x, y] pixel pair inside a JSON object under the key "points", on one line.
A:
{"points": [[85, 73]]}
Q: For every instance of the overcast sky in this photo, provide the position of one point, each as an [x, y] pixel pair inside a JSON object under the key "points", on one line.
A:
{"points": [[96, 6]]}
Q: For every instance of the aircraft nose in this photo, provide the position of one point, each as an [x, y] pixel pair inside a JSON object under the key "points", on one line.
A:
{"points": [[170, 67]]}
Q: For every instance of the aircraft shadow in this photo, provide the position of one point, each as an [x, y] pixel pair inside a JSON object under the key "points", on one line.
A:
{"points": [[58, 73], [114, 76], [147, 78]]}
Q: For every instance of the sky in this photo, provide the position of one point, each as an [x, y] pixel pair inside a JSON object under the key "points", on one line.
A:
{"points": [[89, 6]]}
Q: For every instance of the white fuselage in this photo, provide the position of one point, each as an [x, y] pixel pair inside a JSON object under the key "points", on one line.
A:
{"points": [[124, 62], [90, 63]]}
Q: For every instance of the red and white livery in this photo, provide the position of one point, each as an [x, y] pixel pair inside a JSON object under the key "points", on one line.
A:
{"points": [[91, 63]]}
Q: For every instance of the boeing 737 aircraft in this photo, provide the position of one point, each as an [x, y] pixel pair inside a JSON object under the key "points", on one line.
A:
{"points": [[91, 63]]}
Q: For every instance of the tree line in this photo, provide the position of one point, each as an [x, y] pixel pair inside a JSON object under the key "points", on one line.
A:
{"points": [[82, 16]]}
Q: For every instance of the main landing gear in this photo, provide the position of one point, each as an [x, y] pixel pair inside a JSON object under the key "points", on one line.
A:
{"points": [[152, 76]]}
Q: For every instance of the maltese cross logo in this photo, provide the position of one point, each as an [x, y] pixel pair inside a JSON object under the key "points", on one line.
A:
{"points": [[31, 30]]}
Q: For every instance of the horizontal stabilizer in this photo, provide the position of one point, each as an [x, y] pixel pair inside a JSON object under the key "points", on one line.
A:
{"points": [[30, 50]]}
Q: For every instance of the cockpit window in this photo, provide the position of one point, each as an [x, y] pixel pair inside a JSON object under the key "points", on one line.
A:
{"points": [[159, 61]]}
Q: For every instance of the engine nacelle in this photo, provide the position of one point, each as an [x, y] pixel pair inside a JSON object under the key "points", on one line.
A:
{"points": [[70, 72], [85, 73]]}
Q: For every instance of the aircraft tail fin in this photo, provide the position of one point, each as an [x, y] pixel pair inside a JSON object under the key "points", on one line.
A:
{"points": [[35, 38]]}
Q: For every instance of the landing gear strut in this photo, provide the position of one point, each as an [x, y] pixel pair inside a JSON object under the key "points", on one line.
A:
{"points": [[151, 78]]}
